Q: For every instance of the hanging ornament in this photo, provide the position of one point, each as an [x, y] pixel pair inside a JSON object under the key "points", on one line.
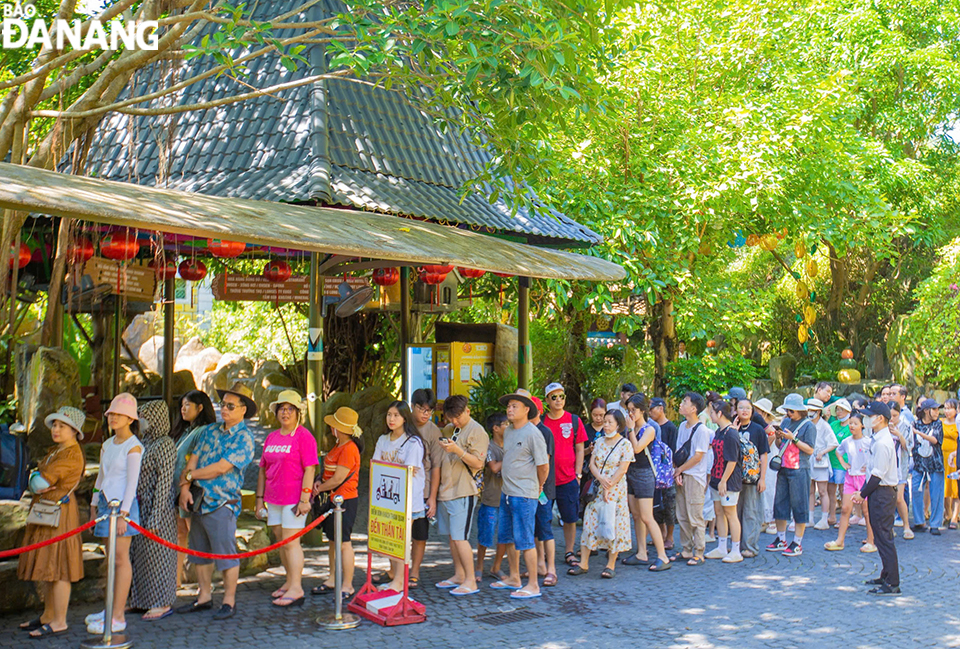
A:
{"points": [[806, 348], [812, 268], [846, 354], [20, 257], [432, 278], [798, 318], [442, 269], [80, 251], [769, 242], [119, 246], [504, 275], [753, 240], [809, 315], [802, 291], [163, 268], [471, 273], [40, 253], [795, 274], [225, 249], [782, 234], [386, 276], [192, 270], [739, 241], [813, 296], [799, 249], [803, 334], [277, 271]]}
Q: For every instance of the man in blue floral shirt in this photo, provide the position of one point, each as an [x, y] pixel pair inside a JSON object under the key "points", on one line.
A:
{"points": [[221, 454]]}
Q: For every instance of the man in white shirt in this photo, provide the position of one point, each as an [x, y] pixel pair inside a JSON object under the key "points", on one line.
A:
{"points": [[881, 489], [693, 441], [627, 391]]}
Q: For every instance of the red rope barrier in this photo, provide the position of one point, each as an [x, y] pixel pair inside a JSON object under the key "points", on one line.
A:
{"points": [[243, 555], [43, 544]]}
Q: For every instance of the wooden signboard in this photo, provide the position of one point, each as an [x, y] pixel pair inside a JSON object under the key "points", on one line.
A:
{"points": [[131, 280], [256, 288]]}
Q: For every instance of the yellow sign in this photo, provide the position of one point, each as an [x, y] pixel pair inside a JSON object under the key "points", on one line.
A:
{"points": [[391, 487]]}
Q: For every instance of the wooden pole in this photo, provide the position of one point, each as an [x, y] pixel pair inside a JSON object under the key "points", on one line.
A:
{"points": [[524, 367], [404, 328], [169, 311]]}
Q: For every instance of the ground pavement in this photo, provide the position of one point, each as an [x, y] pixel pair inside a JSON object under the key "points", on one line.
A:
{"points": [[817, 600]]}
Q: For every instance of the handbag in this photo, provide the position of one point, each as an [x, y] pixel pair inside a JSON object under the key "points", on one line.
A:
{"points": [[776, 461], [46, 513], [197, 492], [590, 489]]}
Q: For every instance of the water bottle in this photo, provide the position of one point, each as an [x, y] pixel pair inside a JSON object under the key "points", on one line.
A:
{"points": [[542, 499], [432, 520], [953, 476]]}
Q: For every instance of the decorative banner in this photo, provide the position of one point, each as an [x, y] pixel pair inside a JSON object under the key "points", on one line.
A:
{"points": [[391, 496]]}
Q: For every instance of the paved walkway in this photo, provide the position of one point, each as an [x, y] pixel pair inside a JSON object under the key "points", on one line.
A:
{"points": [[817, 600]]}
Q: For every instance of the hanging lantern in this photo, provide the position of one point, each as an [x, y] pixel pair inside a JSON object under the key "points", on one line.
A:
{"points": [[809, 315], [505, 275], [432, 278], [812, 268], [802, 334], [802, 291], [769, 242], [752, 240], [164, 269], [437, 268], [120, 246], [80, 251], [277, 271], [471, 273], [20, 257], [225, 249], [799, 249], [386, 276], [192, 270]]}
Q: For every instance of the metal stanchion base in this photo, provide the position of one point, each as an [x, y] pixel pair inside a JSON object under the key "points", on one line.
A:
{"points": [[346, 621], [118, 641]]}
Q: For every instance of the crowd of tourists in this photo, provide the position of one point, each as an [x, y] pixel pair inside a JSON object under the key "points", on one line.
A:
{"points": [[727, 471]]}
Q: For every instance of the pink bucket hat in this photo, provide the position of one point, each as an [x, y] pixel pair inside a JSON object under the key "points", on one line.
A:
{"points": [[124, 404]]}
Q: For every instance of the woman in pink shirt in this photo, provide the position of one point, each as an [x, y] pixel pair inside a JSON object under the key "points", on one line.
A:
{"points": [[287, 468]]}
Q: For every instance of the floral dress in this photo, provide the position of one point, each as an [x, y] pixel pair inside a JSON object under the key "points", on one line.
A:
{"points": [[615, 451]]}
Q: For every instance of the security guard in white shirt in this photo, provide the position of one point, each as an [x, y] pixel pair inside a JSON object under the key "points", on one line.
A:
{"points": [[881, 489]]}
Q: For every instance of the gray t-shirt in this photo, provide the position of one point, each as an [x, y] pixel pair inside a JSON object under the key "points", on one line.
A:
{"points": [[492, 481], [523, 451]]}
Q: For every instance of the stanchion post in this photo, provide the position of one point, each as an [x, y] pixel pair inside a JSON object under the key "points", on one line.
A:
{"points": [[338, 621], [109, 639]]}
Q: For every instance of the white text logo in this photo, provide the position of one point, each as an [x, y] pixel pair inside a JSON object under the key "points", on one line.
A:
{"points": [[17, 32]]}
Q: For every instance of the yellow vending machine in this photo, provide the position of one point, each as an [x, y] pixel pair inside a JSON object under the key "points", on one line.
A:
{"points": [[458, 365]]}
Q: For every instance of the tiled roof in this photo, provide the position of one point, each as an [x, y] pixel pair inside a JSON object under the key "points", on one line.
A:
{"points": [[337, 142]]}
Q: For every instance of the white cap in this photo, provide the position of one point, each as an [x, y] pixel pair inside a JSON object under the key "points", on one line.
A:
{"points": [[553, 387]]}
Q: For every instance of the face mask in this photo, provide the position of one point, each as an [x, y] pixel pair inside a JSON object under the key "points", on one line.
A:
{"points": [[812, 414], [612, 433]]}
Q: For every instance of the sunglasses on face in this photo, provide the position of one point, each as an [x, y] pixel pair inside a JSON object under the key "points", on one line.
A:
{"points": [[558, 397], [230, 406]]}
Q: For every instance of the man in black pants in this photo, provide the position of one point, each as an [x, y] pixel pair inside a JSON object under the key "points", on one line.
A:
{"points": [[881, 489]]}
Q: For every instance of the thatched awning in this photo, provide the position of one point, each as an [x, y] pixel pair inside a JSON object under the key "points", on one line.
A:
{"points": [[345, 232]]}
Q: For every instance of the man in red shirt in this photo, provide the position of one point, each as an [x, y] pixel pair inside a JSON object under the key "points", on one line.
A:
{"points": [[569, 436]]}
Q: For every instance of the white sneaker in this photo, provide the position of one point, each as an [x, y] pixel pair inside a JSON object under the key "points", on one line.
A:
{"points": [[907, 534], [715, 553], [96, 627], [733, 557], [822, 524], [93, 617], [771, 529], [791, 527]]}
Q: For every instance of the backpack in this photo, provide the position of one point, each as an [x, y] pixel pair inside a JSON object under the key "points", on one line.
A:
{"points": [[749, 460], [661, 460], [13, 464]]}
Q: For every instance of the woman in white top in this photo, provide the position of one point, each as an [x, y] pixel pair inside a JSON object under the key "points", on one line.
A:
{"points": [[403, 445], [117, 480]]}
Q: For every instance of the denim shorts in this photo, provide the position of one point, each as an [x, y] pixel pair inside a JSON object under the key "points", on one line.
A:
{"points": [[838, 476], [517, 521], [102, 529], [568, 501], [487, 525], [543, 528], [641, 482], [793, 495]]}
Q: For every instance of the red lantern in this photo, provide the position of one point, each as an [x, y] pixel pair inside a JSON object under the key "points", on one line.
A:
{"points": [[503, 274], [165, 269], [471, 273], [386, 276], [192, 269], [277, 271], [432, 278], [20, 257], [80, 251], [436, 268], [120, 246], [225, 249]]}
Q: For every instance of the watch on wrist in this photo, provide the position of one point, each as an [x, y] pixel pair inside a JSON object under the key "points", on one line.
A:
{"points": [[189, 476]]}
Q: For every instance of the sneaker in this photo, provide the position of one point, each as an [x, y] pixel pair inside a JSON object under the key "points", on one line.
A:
{"points": [[771, 529], [822, 525], [715, 553], [733, 557], [868, 548], [791, 527], [885, 589], [908, 534], [793, 550], [96, 627], [876, 581], [93, 617], [777, 546]]}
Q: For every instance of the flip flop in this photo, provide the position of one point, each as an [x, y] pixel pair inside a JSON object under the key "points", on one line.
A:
{"points": [[293, 601], [45, 630], [280, 592], [550, 580], [524, 594], [322, 589], [380, 578], [501, 585], [153, 618], [463, 593], [413, 582], [195, 607], [496, 575], [679, 557], [446, 583]]}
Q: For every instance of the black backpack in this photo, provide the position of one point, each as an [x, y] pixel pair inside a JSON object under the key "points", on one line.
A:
{"points": [[13, 464]]}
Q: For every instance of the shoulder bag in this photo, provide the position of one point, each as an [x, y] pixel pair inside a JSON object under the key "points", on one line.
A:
{"points": [[46, 513], [590, 487]]}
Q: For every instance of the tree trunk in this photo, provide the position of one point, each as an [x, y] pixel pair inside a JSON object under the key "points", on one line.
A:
{"points": [[663, 334], [571, 376], [839, 280]]}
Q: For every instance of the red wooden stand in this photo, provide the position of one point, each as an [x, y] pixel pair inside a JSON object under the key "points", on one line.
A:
{"points": [[406, 611]]}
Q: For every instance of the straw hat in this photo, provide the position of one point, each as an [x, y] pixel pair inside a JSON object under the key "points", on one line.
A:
{"points": [[814, 404], [764, 405], [246, 396], [345, 420], [291, 397], [72, 417]]}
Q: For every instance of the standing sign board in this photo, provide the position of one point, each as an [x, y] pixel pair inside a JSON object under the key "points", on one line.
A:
{"points": [[390, 501]]}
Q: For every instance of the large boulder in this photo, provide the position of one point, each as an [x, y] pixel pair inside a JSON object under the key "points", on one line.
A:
{"points": [[266, 367], [13, 519], [17, 596], [197, 359], [49, 379], [230, 368], [267, 396], [263, 382], [183, 382], [367, 397], [140, 330], [139, 385], [152, 351], [783, 370], [874, 361], [940, 396]]}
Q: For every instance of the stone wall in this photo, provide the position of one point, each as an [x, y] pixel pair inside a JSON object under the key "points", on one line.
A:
{"points": [[47, 379]]}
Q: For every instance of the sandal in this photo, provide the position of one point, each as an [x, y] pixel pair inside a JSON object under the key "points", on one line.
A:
{"points": [[413, 582], [632, 560], [44, 630], [570, 559], [659, 565], [381, 578], [496, 575], [608, 573], [153, 615], [550, 580], [31, 625], [696, 561], [576, 571], [952, 526], [679, 556]]}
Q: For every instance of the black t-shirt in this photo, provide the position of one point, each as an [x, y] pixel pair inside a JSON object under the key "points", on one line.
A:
{"points": [[726, 448], [641, 461], [668, 434], [550, 486], [758, 436], [758, 419]]}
